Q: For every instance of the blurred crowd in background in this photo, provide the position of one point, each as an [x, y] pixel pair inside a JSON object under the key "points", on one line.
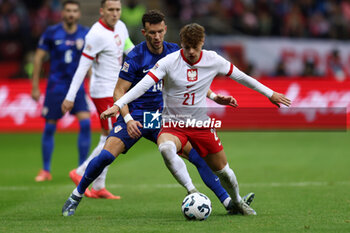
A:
{"points": [[23, 21], [286, 18]]}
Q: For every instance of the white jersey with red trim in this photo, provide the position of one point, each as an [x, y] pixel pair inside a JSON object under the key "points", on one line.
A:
{"points": [[186, 85], [105, 47]]}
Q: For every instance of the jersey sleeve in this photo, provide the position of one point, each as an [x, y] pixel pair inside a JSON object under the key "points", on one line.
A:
{"points": [[224, 67], [128, 71], [44, 42], [159, 70], [93, 45]]}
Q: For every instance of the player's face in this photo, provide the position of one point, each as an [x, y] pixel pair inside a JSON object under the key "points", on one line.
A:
{"points": [[192, 53], [111, 12], [71, 14], [154, 34]]}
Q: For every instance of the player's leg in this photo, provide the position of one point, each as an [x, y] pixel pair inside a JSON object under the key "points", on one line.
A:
{"points": [[84, 137], [98, 187], [96, 151], [218, 163], [168, 145], [208, 177], [113, 147], [47, 145], [51, 112]]}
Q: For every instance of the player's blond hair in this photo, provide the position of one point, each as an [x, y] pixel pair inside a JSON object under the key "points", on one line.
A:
{"points": [[192, 34]]}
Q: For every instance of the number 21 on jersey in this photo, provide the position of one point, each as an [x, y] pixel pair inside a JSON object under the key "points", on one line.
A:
{"points": [[189, 99]]}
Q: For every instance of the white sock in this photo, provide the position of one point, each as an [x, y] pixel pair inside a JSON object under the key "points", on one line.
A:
{"points": [[229, 182], [175, 164], [100, 182], [76, 193], [226, 202], [95, 152]]}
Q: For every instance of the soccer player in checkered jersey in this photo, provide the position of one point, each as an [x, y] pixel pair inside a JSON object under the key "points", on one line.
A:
{"points": [[64, 43], [105, 44], [187, 76]]}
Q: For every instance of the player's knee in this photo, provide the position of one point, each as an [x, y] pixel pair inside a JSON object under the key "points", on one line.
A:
{"points": [[167, 149]]}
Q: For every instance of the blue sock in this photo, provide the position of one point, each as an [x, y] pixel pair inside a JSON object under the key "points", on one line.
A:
{"points": [[84, 139], [47, 144], [94, 169], [209, 178]]}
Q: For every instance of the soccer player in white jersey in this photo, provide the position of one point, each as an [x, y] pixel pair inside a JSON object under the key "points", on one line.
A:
{"points": [[187, 76], [105, 44]]}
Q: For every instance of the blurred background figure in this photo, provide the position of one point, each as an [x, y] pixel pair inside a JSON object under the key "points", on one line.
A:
{"points": [[63, 43], [131, 16], [335, 68]]}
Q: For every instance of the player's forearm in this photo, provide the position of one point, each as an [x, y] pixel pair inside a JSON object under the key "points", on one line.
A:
{"points": [[37, 64], [135, 92], [78, 78], [250, 82], [118, 93]]}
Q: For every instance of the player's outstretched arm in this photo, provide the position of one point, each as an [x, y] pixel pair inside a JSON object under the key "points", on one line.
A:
{"points": [[131, 95], [38, 61], [78, 78], [278, 98], [275, 97]]}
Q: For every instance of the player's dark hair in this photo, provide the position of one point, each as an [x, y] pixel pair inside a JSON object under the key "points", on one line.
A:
{"points": [[152, 17], [192, 34], [64, 3], [103, 2]]}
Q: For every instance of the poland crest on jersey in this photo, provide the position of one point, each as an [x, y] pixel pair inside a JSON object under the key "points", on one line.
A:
{"points": [[192, 75]]}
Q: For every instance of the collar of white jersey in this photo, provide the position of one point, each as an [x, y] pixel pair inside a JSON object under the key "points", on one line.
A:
{"points": [[185, 59], [105, 25]]}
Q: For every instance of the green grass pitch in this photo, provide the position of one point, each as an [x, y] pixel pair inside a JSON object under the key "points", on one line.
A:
{"points": [[301, 181]]}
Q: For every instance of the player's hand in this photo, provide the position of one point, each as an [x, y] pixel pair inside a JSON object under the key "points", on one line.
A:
{"points": [[278, 98], [67, 106], [35, 93], [112, 111], [133, 129], [226, 100]]}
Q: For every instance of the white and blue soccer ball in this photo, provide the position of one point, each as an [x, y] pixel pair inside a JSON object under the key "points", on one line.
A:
{"points": [[196, 206]]}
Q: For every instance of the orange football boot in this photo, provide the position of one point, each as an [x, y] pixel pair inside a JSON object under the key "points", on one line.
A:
{"points": [[43, 175], [76, 179], [103, 193]]}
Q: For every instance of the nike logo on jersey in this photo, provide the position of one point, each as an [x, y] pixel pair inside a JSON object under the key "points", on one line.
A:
{"points": [[146, 71], [189, 86]]}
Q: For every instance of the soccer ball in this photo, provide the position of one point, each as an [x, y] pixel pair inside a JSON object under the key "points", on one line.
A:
{"points": [[196, 206]]}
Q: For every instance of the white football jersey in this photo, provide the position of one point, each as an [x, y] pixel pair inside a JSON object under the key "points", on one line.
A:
{"points": [[105, 47], [186, 85]]}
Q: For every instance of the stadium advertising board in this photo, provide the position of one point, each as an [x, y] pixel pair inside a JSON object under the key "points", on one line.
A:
{"points": [[317, 105]]}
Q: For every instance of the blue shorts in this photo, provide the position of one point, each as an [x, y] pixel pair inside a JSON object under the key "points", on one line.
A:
{"points": [[120, 131], [53, 101]]}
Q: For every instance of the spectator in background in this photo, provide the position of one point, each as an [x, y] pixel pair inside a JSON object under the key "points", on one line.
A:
{"points": [[132, 15], [309, 69], [13, 26], [294, 22], [335, 69], [280, 69]]}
